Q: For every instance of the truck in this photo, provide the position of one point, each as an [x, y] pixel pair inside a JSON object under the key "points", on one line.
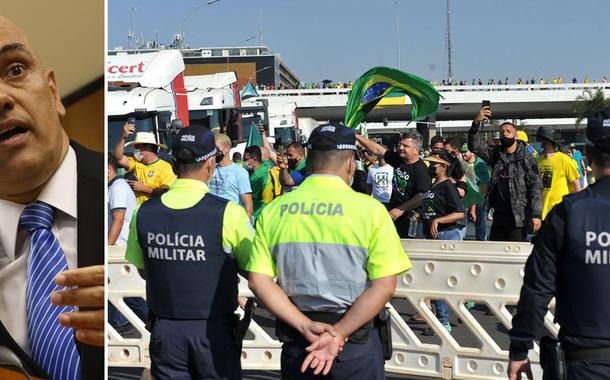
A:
{"points": [[150, 88], [213, 101]]}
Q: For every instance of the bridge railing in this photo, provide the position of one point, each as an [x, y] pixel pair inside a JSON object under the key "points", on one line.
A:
{"points": [[442, 89], [488, 273]]}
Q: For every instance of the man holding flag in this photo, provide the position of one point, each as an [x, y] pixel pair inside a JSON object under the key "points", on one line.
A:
{"points": [[411, 178]]}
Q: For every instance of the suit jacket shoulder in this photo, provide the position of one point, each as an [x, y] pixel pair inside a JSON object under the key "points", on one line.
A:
{"points": [[91, 236]]}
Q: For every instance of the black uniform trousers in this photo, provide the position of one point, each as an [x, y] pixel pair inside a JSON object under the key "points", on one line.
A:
{"points": [[356, 361], [588, 370], [194, 349]]}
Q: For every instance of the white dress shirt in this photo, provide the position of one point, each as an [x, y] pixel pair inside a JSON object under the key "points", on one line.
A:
{"points": [[60, 192]]}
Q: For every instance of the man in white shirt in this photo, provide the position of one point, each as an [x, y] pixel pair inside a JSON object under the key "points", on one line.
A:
{"points": [[380, 177], [46, 176], [121, 204]]}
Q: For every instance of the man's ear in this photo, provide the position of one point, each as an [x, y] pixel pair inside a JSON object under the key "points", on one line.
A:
{"points": [[61, 110]]}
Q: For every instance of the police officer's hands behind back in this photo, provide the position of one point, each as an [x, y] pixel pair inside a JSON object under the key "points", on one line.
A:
{"points": [[85, 288], [322, 353], [516, 367]]}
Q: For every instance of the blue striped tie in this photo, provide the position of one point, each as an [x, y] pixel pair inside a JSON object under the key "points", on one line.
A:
{"points": [[52, 346]]}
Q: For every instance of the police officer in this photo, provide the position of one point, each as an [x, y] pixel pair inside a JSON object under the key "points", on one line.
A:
{"points": [[336, 255], [190, 244], [570, 261]]}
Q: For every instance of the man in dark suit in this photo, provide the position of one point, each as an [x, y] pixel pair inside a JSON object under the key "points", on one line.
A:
{"points": [[51, 227]]}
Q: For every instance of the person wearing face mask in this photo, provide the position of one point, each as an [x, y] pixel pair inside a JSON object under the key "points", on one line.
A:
{"points": [[410, 179], [189, 246], [336, 256], [230, 181], [442, 212], [292, 166], [515, 188], [263, 180], [153, 175]]}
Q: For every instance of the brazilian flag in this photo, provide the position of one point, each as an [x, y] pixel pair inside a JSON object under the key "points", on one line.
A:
{"points": [[380, 82]]}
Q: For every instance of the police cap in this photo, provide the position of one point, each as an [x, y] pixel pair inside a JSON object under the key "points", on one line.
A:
{"points": [[196, 138], [598, 129], [332, 136]]}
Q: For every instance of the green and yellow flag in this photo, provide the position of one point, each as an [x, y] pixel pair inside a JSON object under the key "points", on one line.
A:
{"points": [[380, 82]]}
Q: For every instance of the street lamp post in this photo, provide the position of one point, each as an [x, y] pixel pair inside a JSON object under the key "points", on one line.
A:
{"points": [[237, 45], [210, 2]]}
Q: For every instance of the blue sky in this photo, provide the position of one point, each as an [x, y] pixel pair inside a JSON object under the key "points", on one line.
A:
{"points": [[341, 39]]}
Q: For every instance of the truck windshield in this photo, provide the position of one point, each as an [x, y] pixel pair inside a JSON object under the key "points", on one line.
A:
{"points": [[207, 118], [115, 129]]}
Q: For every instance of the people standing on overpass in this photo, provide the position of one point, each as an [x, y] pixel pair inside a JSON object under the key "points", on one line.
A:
{"points": [[230, 181], [336, 256], [189, 245], [411, 179], [153, 175], [569, 262], [558, 171], [515, 189]]}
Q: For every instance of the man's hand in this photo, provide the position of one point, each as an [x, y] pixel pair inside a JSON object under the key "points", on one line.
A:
{"points": [[516, 367], [128, 129], [484, 114], [312, 330], [434, 228], [322, 353], [473, 214], [396, 213], [85, 288], [282, 162], [138, 186], [536, 224]]}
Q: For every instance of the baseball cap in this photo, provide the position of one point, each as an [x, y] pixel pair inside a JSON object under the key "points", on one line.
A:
{"points": [[598, 129], [196, 138], [332, 136], [464, 148], [521, 135]]}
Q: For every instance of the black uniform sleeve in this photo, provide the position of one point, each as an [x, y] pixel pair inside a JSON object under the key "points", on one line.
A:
{"points": [[538, 284], [392, 158], [423, 182]]}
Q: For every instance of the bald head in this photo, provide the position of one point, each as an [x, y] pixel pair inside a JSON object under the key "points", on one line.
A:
{"points": [[32, 141]]}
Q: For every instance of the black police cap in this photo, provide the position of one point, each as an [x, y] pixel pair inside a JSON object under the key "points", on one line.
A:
{"points": [[197, 139], [332, 136], [598, 129]]}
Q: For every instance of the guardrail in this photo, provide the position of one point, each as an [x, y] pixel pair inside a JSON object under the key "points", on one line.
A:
{"points": [[442, 89], [489, 273]]}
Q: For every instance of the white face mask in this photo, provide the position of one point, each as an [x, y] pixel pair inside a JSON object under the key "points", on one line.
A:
{"points": [[137, 154]]}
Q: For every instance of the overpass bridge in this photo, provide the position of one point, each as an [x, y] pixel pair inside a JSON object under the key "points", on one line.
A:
{"points": [[538, 101]]}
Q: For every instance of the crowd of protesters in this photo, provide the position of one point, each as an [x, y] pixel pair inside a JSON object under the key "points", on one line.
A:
{"points": [[328, 84], [433, 193]]}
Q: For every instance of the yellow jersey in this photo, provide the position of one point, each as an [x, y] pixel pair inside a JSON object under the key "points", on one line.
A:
{"points": [[158, 174], [558, 173]]}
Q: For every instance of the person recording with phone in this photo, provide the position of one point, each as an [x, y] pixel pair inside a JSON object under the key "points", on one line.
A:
{"points": [[153, 175], [515, 189]]}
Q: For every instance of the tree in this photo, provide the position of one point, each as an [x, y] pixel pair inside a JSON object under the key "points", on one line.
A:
{"points": [[588, 103]]}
